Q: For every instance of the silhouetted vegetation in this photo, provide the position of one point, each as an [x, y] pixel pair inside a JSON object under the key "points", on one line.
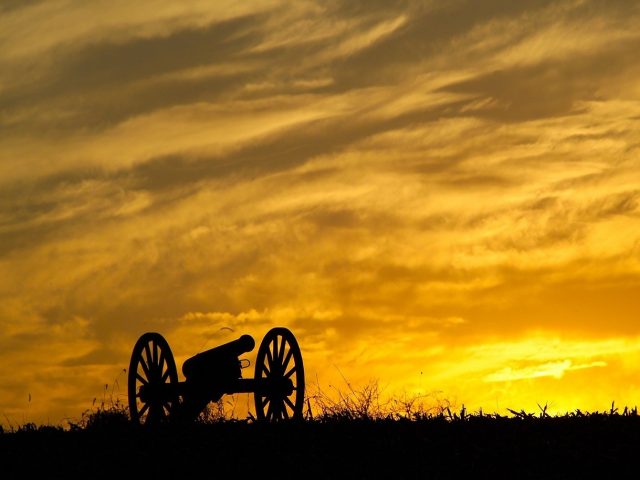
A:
{"points": [[355, 433]]}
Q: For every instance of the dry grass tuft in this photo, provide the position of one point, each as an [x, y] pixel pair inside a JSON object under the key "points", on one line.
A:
{"points": [[370, 403]]}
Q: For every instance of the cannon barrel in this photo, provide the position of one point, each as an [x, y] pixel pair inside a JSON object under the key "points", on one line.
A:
{"points": [[225, 356]]}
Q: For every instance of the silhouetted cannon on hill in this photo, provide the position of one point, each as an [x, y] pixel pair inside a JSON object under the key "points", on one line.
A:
{"points": [[156, 395]]}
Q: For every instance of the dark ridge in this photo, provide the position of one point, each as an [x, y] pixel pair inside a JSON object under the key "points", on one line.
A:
{"points": [[576, 445]]}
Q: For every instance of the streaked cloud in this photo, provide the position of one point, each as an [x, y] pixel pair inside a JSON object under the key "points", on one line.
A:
{"points": [[404, 184], [551, 369]]}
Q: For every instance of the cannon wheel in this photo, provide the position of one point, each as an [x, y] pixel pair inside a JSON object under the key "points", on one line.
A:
{"points": [[278, 358], [151, 364]]}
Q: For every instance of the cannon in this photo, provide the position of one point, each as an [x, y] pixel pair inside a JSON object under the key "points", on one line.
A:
{"points": [[156, 396]]}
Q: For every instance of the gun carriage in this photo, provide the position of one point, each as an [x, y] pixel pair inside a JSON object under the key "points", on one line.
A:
{"points": [[156, 395]]}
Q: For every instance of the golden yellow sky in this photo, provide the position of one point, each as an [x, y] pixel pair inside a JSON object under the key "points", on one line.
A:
{"points": [[439, 195]]}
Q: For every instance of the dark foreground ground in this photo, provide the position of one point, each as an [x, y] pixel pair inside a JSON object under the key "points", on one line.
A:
{"points": [[548, 448]]}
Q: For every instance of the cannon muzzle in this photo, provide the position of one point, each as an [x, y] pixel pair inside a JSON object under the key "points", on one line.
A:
{"points": [[224, 357]]}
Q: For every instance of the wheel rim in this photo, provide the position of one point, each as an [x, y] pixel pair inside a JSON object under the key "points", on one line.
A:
{"points": [[279, 358], [151, 365]]}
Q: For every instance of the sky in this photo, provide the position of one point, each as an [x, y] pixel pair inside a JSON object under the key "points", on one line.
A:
{"points": [[441, 197]]}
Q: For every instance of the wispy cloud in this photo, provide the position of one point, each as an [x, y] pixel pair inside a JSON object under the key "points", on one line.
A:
{"points": [[399, 182], [551, 369]]}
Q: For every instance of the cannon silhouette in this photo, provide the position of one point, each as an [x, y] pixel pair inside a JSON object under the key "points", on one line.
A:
{"points": [[156, 395]]}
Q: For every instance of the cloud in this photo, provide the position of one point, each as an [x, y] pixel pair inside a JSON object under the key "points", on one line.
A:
{"points": [[551, 369], [398, 182]]}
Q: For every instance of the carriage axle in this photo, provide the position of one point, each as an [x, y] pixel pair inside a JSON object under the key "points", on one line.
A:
{"points": [[165, 392]]}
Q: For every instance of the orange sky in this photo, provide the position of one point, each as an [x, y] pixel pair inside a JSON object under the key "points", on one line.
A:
{"points": [[440, 195]]}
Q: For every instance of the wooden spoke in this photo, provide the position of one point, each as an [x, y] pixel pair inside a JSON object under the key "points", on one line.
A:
{"points": [[275, 349], [155, 361], [147, 352], [281, 354], [145, 368], [269, 358], [290, 403], [287, 359], [161, 363]]}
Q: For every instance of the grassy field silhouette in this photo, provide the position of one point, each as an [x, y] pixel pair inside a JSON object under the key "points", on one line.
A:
{"points": [[354, 435]]}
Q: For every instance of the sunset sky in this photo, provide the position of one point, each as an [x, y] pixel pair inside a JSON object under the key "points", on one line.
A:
{"points": [[440, 196]]}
